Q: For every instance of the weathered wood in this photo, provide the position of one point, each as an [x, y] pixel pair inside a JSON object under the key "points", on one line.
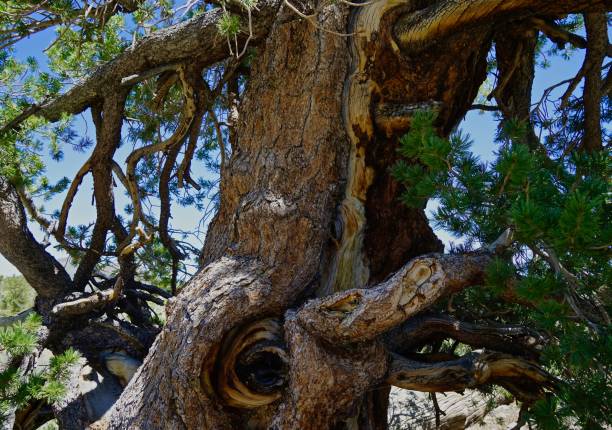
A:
{"points": [[89, 303], [476, 368], [308, 208], [360, 315], [444, 17]]}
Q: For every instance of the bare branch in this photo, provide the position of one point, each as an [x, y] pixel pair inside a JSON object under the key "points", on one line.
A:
{"points": [[172, 143], [511, 339], [151, 289], [108, 118], [87, 304], [469, 371], [558, 34], [195, 38], [74, 187]]}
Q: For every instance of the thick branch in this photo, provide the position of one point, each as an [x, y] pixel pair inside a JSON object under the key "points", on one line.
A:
{"points": [[511, 339], [43, 272], [108, 119], [415, 29], [469, 371], [597, 44], [363, 314]]}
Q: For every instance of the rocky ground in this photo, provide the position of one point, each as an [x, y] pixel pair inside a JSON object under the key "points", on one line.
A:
{"points": [[470, 410]]}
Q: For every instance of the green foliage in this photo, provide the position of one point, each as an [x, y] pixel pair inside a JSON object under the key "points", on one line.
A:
{"points": [[229, 25], [558, 208], [15, 295], [20, 338], [48, 384]]}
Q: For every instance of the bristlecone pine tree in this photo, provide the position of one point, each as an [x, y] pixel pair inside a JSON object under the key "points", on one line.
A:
{"points": [[320, 282]]}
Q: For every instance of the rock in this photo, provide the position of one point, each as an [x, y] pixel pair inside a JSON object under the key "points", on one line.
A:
{"points": [[471, 410]]}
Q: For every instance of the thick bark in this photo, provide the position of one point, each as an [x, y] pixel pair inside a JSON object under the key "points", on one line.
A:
{"points": [[265, 245]]}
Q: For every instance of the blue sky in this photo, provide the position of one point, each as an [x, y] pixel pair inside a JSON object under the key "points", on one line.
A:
{"points": [[479, 125]]}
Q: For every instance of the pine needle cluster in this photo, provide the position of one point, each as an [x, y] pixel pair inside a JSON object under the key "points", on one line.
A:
{"points": [[557, 271], [48, 384]]}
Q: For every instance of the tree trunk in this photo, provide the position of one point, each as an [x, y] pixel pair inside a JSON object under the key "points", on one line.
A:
{"points": [[308, 207]]}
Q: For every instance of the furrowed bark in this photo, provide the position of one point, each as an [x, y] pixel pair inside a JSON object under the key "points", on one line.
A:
{"points": [[327, 384], [249, 274], [307, 208], [17, 244]]}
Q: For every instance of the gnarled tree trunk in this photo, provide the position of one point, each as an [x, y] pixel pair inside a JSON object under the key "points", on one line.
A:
{"points": [[308, 208]]}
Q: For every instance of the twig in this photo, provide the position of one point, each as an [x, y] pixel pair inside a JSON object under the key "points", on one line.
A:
{"points": [[437, 409]]}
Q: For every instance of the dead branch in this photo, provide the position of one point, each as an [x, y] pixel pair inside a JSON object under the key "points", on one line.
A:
{"points": [[87, 304], [66, 205], [363, 314], [172, 143], [469, 371]]}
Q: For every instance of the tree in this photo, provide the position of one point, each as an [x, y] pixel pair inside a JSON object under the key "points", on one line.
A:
{"points": [[316, 289]]}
